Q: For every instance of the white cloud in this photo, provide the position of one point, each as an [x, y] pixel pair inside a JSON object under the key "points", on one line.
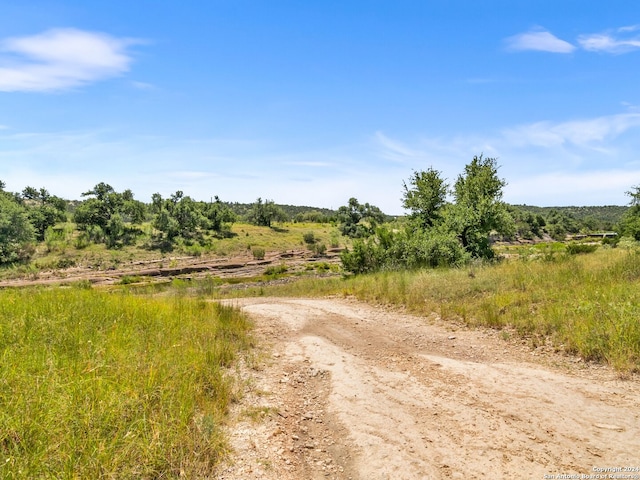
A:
{"points": [[143, 85], [609, 43], [539, 40], [59, 59], [394, 150], [582, 133]]}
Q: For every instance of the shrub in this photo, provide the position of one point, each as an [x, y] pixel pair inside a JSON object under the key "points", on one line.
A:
{"points": [[576, 248], [309, 238], [320, 249], [258, 253], [275, 270]]}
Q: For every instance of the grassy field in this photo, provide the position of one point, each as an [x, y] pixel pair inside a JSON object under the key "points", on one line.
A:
{"points": [[97, 384], [587, 304], [62, 249]]}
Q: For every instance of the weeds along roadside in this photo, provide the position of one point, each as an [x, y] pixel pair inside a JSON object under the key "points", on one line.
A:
{"points": [[100, 384], [586, 304]]}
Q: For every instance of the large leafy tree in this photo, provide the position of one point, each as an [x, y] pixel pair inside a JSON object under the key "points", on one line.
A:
{"points": [[478, 209], [16, 231]]}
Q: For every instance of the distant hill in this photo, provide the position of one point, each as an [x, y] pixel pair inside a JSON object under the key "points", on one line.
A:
{"points": [[606, 217]]}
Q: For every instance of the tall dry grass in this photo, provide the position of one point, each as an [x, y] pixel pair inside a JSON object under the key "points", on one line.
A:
{"points": [[113, 385], [588, 305]]}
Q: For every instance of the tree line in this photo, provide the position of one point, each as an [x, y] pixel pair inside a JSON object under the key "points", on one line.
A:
{"points": [[446, 224]]}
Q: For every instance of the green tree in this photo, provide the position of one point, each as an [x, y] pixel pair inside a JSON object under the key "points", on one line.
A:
{"points": [[219, 216], [105, 214], [16, 231], [359, 220], [478, 209], [265, 213], [425, 198], [43, 209], [630, 223]]}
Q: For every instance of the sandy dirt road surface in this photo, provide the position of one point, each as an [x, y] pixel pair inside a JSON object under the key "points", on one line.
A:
{"points": [[346, 390]]}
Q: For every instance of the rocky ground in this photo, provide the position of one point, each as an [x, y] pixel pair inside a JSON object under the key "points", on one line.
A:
{"points": [[238, 267], [344, 390]]}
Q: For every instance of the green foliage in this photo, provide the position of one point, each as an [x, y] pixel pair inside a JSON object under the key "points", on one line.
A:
{"points": [[426, 197], [109, 385], [258, 253], [43, 209], [106, 214], [319, 249], [575, 248], [276, 270], [438, 234], [478, 209], [16, 231], [401, 250], [309, 238], [265, 213], [527, 225], [359, 220], [630, 222], [181, 217], [313, 216]]}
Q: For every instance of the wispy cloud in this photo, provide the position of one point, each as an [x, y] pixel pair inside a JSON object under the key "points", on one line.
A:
{"points": [[618, 41], [394, 150], [143, 85], [588, 133], [589, 161], [539, 40], [60, 59]]}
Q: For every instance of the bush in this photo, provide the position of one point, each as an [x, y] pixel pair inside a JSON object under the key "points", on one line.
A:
{"points": [[393, 251], [258, 253], [320, 249], [576, 248], [276, 270], [309, 238]]}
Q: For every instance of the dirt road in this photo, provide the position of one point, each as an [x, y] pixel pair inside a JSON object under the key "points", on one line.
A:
{"points": [[350, 391]]}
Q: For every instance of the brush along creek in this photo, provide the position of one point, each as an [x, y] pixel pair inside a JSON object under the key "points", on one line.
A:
{"points": [[345, 390]]}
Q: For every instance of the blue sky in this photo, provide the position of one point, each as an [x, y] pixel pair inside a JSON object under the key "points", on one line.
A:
{"points": [[312, 102]]}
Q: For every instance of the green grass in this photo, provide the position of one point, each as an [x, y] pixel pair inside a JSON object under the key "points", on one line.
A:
{"points": [[587, 305], [114, 385], [61, 250]]}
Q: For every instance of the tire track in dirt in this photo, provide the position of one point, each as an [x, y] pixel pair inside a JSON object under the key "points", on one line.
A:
{"points": [[356, 391]]}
